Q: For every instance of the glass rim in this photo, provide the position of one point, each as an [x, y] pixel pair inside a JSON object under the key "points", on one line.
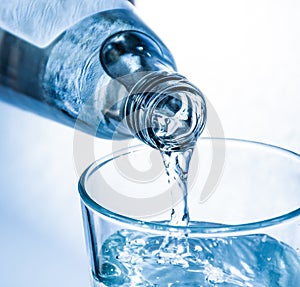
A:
{"points": [[217, 229]]}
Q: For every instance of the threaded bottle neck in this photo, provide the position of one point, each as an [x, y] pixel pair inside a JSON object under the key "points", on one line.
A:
{"points": [[166, 111]]}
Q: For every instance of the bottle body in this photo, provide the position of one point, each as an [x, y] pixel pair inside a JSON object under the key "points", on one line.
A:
{"points": [[59, 80], [39, 22]]}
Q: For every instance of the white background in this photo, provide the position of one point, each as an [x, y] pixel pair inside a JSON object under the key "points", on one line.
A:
{"points": [[243, 55]]}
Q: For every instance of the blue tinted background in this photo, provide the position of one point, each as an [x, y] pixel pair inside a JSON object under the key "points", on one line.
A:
{"points": [[244, 56]]}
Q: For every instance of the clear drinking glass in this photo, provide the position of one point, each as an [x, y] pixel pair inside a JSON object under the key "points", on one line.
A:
{"points": [[244, 200]]}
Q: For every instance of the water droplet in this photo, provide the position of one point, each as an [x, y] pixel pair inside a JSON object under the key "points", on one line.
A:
{"points": [[198, 248], [264, 238]]}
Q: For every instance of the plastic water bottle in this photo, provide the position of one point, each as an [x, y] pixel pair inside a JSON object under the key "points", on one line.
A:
{"points": [[99, 66]]}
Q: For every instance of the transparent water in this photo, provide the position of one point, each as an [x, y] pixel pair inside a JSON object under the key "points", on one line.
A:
{"points": [[130, 258], [177, 166], [177, 117]]}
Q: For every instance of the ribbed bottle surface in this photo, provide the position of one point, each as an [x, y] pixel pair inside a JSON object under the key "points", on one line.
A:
{"points": [[166, 111]]}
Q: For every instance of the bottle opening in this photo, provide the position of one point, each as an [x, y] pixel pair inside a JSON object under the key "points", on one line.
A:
{"points": [[166, 111]]}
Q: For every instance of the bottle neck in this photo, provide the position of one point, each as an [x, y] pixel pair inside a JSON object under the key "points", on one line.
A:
{"points": [[165, 111], [126, 55], [162, 109]]}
